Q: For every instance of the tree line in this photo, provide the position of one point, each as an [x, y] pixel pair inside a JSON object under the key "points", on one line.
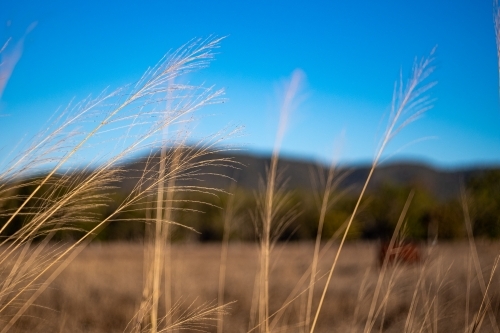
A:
{"points": [[203, 213]]}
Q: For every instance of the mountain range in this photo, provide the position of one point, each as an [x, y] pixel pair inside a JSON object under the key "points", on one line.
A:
{"points": [[249, 171]]}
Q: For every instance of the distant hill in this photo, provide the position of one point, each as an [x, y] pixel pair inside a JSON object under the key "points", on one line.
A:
{"points": [[443, 184], [431, 209]]}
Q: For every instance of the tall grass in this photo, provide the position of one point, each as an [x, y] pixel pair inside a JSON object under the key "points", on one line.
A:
{"points": [[230, 219], [272, 205], [138, 115], [330, 185], [408, 104]]}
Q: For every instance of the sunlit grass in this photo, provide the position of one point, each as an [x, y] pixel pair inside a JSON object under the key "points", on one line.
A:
{"points": [[278, 295]]}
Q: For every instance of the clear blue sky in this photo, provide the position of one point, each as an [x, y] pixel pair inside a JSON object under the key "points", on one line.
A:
{"points": [[350, 51]]}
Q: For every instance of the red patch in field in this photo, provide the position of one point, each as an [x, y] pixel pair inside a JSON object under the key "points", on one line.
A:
{"points": [[406, 253]]}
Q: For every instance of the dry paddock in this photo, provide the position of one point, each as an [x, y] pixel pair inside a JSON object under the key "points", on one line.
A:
{"points": [[101, 289]]}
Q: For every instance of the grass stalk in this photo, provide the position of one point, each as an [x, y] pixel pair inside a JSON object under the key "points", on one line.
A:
{"points": [[297, 289], [359, 300], [467, 295], [329, 187], [408, 102], [269, 204], [228, 217], [158, 241], [370, 319], [475, 258], [166, 228], [485, 303]]}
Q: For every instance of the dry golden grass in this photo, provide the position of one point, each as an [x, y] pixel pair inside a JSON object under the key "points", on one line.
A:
{"points": [[68, 192], [100, 290], [271, 287]]}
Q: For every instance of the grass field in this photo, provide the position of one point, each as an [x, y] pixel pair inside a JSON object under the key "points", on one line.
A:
{"points": [[159, 286], [100, 290]]}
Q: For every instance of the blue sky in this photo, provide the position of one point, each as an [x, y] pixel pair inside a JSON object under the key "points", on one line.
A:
{"points": [[351, 53]]}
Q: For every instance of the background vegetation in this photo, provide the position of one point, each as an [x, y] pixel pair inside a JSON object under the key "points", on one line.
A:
{"points": [[430, 216]]}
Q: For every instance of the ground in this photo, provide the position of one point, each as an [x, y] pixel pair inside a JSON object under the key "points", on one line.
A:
{"points": [[101, 290]]}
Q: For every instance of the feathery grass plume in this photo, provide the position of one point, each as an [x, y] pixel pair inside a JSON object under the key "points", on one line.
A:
{"points": [[135, 116], [132, 108], [185, 164], [199, 318], [408, 104], [268, 207], [9, 58]]}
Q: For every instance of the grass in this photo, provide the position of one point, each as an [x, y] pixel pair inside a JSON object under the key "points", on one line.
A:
{"points": [[100, 290], [69, 193], [161, 287]]}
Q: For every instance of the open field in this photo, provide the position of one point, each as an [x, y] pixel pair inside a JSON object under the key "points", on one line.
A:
{"points": [[73, 194], [101, 290]]}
